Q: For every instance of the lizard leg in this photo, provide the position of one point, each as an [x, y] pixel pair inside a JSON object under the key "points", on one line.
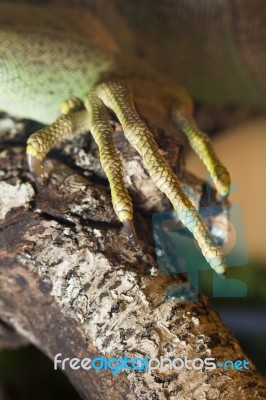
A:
{"points": [[74, 120], [103, 134], [117, 97], [202, 146]]}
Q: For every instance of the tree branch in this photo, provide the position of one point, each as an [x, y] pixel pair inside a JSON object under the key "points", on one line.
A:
{"points": [[71, 283]]}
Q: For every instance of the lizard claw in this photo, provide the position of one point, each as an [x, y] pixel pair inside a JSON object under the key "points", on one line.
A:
{"points": [[223, 275], [36, 167], [129, 227]]}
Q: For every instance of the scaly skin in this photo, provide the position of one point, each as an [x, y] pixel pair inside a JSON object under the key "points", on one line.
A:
{"points": [[117, 97], [42, 66]]}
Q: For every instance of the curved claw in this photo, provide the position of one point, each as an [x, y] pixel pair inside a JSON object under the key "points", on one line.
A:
{"points": [[130, 229], [223, 275], [36, 167]]}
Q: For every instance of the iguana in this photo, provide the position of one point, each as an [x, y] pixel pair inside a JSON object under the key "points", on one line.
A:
{"points": [[66, 65]]}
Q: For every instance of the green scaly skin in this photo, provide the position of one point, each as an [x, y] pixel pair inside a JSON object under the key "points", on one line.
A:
{"points": [[42, 66]]}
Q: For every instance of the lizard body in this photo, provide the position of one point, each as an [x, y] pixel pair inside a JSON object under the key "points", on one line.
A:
{"points": [[217, 50], [44, 63], [48, 54]]}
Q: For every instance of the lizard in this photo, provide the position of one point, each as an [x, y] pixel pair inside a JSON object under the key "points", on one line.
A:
{"points": [[67, 66]]}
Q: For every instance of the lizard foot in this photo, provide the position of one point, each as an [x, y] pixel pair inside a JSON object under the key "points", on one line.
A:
{"points": [[117, 97]]}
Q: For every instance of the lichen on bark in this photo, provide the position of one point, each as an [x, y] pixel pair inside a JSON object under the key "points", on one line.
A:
{"points": [[72, 283]]}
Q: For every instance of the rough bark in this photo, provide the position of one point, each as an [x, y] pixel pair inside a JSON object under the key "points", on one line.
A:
{"points": [[72, 283]]}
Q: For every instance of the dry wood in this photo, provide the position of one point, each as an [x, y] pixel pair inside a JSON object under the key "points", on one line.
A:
{"points": [[71, 283]]}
